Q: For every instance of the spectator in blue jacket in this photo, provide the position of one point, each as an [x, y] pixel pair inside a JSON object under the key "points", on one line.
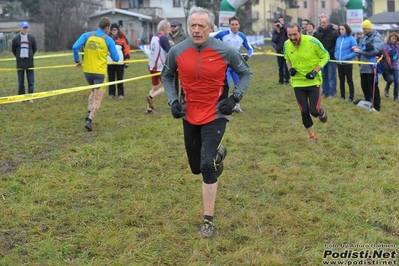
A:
{"points": [[279, 36], [343, 52]]}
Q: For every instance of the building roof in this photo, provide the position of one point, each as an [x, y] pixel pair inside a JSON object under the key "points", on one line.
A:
{"points": [[120, 11], [385, 18]]}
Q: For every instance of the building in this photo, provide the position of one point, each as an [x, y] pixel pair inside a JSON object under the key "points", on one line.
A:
{"points": [[134, 25], [381, 6], [139, 18], [268, 12], [310, 9]]}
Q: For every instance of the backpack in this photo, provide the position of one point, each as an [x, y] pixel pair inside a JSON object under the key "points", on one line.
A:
{"points": [[386, 56], [385, 64]]}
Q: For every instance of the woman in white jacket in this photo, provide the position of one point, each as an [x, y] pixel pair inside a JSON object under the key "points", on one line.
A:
{"points": [[118, 69]]}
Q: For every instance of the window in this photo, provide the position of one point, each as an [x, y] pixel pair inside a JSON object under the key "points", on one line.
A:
{"points": [[323, 4], [135, 3], [391, 5], [305, 4], [176, 3]]}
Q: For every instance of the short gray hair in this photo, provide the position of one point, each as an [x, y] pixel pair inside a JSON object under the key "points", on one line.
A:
{"points": [[162, 24], [201, 10]]}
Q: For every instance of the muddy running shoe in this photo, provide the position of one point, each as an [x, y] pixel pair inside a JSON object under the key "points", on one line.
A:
{"points": [[207, 229], [312, 139], [88, 125], [222, 152], [323, 118], [237, 109], [150, 112], [150, 101]]}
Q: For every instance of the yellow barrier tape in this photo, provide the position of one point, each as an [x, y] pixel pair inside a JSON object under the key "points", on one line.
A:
{"points": [[268, 52], [25, 97], [38, 57], [65, 66], [57, 55]]}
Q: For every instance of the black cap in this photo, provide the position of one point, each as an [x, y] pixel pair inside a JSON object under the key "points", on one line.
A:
{"points": [[114, 26], [174, 23]]}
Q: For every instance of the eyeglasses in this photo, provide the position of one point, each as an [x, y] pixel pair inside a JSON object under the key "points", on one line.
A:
{"points": [[174, 26]]}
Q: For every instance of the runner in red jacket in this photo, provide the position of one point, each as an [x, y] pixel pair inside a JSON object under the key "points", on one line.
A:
{"points": [[204, 104]]}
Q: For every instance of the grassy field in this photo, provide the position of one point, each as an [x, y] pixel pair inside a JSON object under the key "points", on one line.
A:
{"points": [[124, 195]]}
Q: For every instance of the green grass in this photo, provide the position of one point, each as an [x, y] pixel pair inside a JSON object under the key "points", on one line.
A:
{"points": [[124, 195]]}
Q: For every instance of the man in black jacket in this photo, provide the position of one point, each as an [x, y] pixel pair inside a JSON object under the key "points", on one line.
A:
{"points": [[23, 48], [327, 35], [279, 36]]}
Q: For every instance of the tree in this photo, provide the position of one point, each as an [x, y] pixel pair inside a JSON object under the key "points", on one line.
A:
{"points": [[32, 7], [12, 11], [63, 21], [338, 16]]}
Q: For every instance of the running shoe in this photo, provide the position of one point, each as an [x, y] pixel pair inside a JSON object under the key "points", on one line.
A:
{"points": [[150, 101], [237, 109], [312, 139], [207, 229], [150, 112], [88, 125], [323, 118]]}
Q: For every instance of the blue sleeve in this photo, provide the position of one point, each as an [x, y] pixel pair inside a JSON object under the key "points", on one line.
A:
{"points": [[112, 49], [352, 54], [164, 41], [221, 34], [79, 43], [218, 36], [336, 52], [246, 44]]}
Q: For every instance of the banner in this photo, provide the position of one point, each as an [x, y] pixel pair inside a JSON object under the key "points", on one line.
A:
{"points": [[227, 10], [354, 14]]}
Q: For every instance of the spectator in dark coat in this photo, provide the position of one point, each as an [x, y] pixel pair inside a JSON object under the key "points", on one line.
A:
{"points": [[177, 34], [279, 36], [24, 47], [327, 35], [310, 29]]}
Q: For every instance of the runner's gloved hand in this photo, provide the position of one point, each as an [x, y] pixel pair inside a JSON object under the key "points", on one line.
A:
{"points": [[177, 109], [292, 71], [311, 75], [226, 106], [126, 66], [246, 57]]}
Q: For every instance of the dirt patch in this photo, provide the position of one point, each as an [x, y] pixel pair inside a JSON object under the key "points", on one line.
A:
{"points": [[8, 167]]}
